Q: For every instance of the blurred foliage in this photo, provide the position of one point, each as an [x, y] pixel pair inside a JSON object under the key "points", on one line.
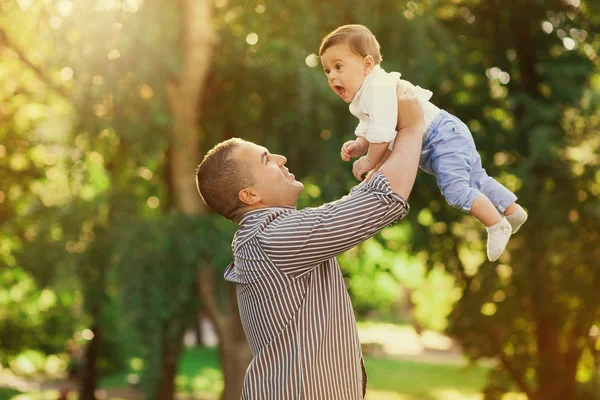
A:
{"points": [[33, 318], [88, 233], [157, 260]]}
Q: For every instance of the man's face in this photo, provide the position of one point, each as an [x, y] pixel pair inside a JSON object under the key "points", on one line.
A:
{"points": [[274, 184], [345, 71]]}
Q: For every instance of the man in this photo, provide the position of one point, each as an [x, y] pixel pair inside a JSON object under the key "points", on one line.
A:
{"points": [[293, 304]]}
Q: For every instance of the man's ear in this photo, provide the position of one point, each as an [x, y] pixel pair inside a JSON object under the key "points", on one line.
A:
{"points": [[249, 196], [368, 64]]}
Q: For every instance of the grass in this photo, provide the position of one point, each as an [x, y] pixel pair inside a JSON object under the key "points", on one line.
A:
{"points": [[389, 379], [409, 380], [6, 393]]}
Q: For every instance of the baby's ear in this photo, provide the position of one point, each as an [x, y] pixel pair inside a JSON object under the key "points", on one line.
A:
{"points": [[368, 64]]}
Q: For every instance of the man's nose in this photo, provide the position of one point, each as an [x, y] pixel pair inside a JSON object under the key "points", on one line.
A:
{"points": [[280, 160]]}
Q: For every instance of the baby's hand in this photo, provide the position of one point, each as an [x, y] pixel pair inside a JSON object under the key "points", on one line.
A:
{"points": [[361, 167], [352, 149]]}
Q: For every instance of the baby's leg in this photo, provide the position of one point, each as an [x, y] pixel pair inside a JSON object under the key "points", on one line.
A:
{"points": [[502, 199], [484, 211], [516, 216], [452, 164]]}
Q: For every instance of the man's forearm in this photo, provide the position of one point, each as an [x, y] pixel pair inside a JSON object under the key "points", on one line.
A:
{"points": [[401, 167]]}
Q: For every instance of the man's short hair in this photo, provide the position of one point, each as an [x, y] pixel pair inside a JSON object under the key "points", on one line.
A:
{"points": [[359, 38], [220, 177]]}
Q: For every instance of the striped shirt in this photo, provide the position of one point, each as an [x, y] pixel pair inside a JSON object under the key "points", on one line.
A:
{"points": [[293, 302]]}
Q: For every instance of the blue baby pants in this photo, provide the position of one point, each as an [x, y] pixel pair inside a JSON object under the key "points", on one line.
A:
{"points": [[449, 153]]}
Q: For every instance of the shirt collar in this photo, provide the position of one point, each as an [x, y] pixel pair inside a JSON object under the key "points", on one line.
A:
{"points": [[375, 71], [255, 214]]}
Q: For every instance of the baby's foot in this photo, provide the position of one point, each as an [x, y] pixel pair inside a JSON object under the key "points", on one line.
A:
{"points": [[517, 218], [498, 236]]}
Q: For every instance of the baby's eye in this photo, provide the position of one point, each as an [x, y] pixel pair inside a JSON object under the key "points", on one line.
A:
{"points": [[338, 66], [326, 72]]}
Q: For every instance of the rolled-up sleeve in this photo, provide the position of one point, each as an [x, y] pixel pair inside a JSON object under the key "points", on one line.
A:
{"points": [[300, 241], [361, 129]]}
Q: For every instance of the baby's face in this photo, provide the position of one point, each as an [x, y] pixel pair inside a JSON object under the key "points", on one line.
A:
{"points": [[345, 70]]}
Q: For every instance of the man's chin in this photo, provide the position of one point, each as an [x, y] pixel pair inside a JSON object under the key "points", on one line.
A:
{"points": [[299, 185]]}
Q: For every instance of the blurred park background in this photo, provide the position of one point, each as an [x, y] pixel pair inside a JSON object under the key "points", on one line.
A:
{"points": [[111, 267]]}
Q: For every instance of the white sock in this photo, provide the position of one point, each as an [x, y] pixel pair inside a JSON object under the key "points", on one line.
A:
{"points": [[498, 236], [517, 218]]}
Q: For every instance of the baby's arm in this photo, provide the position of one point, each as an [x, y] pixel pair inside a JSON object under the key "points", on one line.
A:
{"points": [[366, 163], [363, 143], [375, 153], [354, 148]]}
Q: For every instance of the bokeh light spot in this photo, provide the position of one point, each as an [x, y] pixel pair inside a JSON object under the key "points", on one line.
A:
{"points": [[66, 74], [312, 60], [252, 39], [153, 202], [87, 334], [114, 54], [569, 43]]}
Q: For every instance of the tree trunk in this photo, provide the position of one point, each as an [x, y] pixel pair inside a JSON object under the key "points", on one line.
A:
{"points": [[89, 370], [196, 40], [170, 355], [197, 36], [235, 357], [550, 371], [558, 353], [522, 28], [234, 351]]}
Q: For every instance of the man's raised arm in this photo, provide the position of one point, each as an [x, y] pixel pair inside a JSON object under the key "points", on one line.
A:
{"points": [[300, 241], [401, 166]]}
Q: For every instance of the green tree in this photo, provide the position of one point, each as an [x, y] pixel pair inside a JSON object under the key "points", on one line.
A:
{"points": [[526, 86]]}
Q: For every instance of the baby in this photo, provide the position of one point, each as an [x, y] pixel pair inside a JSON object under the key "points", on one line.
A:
{"points": [[351, 57]]}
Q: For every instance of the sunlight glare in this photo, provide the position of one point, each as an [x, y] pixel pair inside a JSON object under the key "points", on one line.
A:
{"points": [[25, 5], [64, 8], [131, 5], [55, 22]]}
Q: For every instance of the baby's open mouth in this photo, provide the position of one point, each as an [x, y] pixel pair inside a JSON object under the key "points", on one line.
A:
{"points": [[341, 91]]}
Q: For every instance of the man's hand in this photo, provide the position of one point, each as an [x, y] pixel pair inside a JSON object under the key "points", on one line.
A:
{"points": [[353, 149], [410, 113], [361, 167]]}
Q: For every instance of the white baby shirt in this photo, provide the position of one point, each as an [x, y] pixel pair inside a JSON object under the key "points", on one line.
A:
{"points": [[376, 105]]}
